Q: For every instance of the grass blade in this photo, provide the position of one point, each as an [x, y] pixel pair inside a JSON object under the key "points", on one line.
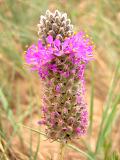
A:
{"points": [[80, 151], [36, 131], [37, 149], [92, 100], [107, 106], [7, 108], [69, 145]]}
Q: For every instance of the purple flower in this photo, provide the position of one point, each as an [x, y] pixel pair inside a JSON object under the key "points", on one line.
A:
{"points": [[39, 56], [78, 130], [58, 88]]}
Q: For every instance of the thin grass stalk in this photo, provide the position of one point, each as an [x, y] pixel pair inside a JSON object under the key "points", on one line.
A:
{"points": [[67, 145], [31, 135], [107, 106], [91, 100], [3, 151], [111, 115], [37, 148], [87, 155]]}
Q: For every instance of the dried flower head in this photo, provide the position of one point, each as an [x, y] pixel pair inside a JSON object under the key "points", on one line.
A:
{"points": [[55, 24]]}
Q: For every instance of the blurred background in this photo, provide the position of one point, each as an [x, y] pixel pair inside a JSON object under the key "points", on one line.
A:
{"points": [[20, 91]]}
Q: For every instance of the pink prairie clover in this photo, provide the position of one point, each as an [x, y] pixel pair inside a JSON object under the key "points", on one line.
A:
{"points": [[78, 47], [61, 66]]}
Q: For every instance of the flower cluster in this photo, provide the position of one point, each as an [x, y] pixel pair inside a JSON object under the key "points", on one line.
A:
{"points": [[61, 66], [78, 47]]}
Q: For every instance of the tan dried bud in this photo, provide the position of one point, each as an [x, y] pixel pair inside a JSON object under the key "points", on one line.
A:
{"points": [[54, 24]]}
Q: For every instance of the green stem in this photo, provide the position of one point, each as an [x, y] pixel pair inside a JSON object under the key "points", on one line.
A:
{"points": [[61, 152]]}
